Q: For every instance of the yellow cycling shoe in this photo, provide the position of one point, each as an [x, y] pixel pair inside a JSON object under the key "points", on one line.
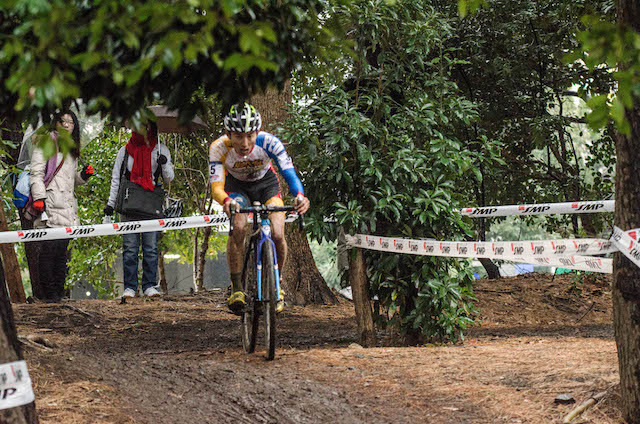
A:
{"points": [[280, 304], [236, 302]]}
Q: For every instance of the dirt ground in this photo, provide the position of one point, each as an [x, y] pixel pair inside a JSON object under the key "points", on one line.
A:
{"points": [[179, 359]]}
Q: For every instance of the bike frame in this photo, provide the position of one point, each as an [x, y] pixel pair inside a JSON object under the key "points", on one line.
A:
{"points": [[262, 234], [265, 237]]}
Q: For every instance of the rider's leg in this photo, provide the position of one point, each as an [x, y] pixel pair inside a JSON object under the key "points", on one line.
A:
{"points": [[277, 234], [235, 251]]}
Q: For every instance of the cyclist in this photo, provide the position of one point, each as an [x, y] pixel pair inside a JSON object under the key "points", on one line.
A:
{"points": [[241, 172]]}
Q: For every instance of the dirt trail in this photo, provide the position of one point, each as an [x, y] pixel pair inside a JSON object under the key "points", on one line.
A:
{"points": [[180, 360]]}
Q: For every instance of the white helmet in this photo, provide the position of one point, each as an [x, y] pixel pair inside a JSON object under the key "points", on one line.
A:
{"points": [[242, 118]]}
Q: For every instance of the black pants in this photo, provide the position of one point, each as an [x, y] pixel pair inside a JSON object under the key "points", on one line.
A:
{"points": [[52, 268]]}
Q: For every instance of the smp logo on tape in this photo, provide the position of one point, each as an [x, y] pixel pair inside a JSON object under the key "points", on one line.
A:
{"points": [[558, 249], [567, 261], [523, 209], [587, 206], [537, 249], [126, 227], [481, 211], [31, 234], [172, 224], [594, 263], [605, 245], [542, 261], [15, 385], [517, 249], [81, 231], [215, 219], [581, 247]]}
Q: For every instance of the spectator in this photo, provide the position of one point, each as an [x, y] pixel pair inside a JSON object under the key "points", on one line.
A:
{"points": [[145, 155], [57, 204]]}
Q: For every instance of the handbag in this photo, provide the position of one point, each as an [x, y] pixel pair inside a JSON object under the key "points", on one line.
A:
{"points": [[29, 212], [136, 202], [22, 190]]}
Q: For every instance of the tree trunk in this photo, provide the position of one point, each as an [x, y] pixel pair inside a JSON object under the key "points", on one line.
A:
{"points": [[195, 258], [202, 259], [303, 283], [10, 351], [10, 260], [361, 300], [162, 272], [492, 269], [626, 285], [32, 252]]}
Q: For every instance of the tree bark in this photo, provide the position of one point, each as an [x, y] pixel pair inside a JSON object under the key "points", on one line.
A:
{"points": [[162, 273], [626, 285], [361, 300], [10, 261], [493, 272], [10, 351], [202, 259], [32, 252], [302, 282], [195, 258]]}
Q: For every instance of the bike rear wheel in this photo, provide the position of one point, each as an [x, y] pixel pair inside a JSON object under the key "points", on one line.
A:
{"points": [[269, 300], [250, 316]]}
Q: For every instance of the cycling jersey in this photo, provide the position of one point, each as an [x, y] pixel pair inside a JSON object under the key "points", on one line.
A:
{"points": [[253, 167]]}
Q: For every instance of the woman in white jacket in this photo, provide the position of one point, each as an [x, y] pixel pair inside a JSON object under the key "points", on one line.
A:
{"points": [[58, 202]]}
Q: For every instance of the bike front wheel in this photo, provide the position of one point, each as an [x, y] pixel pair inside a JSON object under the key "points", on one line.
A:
{"points": [[250, 315], [269, 299]]}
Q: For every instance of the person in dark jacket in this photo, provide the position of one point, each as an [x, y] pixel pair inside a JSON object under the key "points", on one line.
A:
{"points": [[145, 154]]}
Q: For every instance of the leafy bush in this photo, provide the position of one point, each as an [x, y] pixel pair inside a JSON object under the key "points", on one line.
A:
{"points": [[379, 150]]}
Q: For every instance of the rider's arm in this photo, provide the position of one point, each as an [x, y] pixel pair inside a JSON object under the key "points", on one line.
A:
{"points": [[217, 154], [276, 151]]}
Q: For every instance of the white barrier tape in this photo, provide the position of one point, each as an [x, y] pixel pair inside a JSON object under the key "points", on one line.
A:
{"points": [[561, 253], [627, 243], [489, 249], [540, 209], [117, 228], [15, 385]]}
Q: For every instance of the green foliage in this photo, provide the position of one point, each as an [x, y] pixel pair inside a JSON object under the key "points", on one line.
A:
{"points": [[512, 66], [93, 257], [607, 44], [466, 6], [325, 256], [379, 150], [120, 56]]}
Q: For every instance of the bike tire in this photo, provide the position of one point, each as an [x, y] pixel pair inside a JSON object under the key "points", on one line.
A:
{"points": [[250, 316], [269, 300]]}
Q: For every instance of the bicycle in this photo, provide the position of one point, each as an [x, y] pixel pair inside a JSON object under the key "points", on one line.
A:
{"points": [[260, 282]]}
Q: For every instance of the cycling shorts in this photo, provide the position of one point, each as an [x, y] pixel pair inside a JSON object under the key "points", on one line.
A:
{"points": [[266, 190]]}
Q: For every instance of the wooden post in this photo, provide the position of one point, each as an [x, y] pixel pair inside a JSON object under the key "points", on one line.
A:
{"points": [[11, 266], [361, 299]]}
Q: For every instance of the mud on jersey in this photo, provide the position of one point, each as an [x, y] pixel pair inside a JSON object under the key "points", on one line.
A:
{"points": [[254, 166]]}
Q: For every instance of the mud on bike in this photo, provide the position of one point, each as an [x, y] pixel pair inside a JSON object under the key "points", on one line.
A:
{"points": [[260, 277]]}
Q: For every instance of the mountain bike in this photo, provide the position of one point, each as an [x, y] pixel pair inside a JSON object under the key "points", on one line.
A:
{"points": [[260, 277]]}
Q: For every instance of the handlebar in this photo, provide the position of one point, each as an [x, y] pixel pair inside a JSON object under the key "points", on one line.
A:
{"points": [[259, 210]]}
